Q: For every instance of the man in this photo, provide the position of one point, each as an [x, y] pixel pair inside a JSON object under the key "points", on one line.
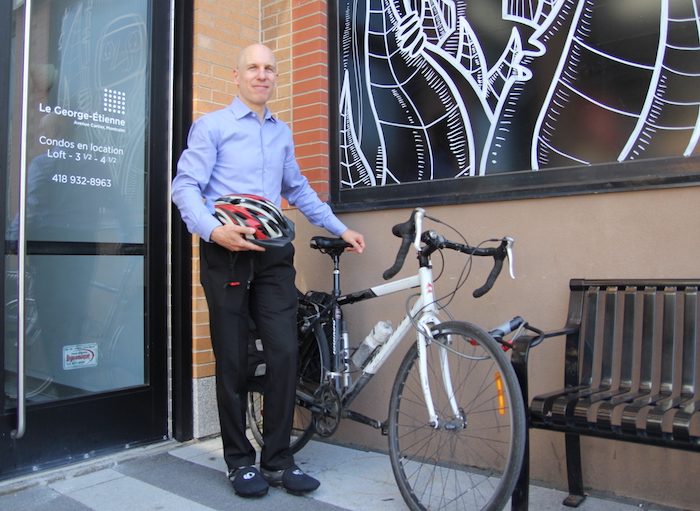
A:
{"points": [[242, 149]]}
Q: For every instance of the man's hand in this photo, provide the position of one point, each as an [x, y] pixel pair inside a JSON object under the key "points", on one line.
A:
{"points": [[231, 236], [356, 239]]}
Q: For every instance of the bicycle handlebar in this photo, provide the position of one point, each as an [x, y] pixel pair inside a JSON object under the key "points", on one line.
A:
{"points": [[409, 236], [409, 232], [491, 280]]}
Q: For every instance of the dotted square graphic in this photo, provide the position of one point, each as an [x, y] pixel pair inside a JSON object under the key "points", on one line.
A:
{"points": [[114, 102]]}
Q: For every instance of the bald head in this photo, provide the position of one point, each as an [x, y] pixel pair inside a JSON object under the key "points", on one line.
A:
{"points": [[251, 51], [256, 77]]}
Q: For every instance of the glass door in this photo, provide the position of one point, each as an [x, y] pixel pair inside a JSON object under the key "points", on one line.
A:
{"points": [[84, 353]]}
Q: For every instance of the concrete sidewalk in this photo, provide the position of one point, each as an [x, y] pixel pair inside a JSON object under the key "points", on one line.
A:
{"points": [[190, 477]]}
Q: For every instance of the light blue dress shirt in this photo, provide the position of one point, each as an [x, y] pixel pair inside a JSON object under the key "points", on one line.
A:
{"points": [[230, 151]]}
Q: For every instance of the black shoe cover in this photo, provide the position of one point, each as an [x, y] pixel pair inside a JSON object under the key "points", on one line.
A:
{"points": [[247, 482], [293, 479]]}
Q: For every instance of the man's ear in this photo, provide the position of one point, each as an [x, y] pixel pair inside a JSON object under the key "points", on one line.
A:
{"points": [[235, 76]]}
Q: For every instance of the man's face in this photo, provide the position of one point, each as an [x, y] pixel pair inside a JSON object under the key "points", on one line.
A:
{"points": [[256, 76]]}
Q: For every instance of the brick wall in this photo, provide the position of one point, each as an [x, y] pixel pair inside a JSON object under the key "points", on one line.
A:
{"points": [[296, 31], [310, 91]]}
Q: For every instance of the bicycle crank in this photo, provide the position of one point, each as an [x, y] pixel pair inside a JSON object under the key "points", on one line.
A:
{"points": [[326, 421]]}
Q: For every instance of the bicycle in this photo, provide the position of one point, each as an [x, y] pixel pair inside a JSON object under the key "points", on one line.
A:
{"points": [[456, 423]]}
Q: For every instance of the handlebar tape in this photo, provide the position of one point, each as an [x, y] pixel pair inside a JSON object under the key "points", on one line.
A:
{"points": [[491, 280], [405, 231]]}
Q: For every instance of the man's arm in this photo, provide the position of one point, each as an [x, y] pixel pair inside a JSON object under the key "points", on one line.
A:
{"points": [[194, 171]]}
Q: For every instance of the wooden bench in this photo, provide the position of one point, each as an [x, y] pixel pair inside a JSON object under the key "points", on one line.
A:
{"points": [[631, 372]]}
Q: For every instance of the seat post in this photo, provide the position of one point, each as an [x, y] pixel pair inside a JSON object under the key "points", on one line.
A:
{"points": [[336, 275]]}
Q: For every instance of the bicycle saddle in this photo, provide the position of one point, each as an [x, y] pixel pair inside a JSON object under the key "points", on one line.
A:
{"points": [[329, 245]]}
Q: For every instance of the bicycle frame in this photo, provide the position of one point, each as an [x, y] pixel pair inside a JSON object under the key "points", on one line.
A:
{"points": [[423, 315]]}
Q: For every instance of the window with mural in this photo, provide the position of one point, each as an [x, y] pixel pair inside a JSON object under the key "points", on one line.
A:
{"points": [[467, 100]]}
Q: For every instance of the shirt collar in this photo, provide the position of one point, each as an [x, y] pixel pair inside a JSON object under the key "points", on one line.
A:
{"points": [[240, 110]]}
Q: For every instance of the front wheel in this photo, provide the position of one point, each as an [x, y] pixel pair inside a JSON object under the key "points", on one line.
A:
{"points": [[470, 459]]}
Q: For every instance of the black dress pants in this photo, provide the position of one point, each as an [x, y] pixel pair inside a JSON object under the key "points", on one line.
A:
{"points": [[260, 285]]}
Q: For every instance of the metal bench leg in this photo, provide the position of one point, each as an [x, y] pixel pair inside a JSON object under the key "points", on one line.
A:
{"points": [[521, 494], [573, 471]]}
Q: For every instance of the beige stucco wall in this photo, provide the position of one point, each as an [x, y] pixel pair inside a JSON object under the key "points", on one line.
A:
{"points": [[647, 234]]}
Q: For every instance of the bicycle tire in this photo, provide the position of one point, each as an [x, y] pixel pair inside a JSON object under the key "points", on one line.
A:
{"points": [[466, 463], [312, 366]]}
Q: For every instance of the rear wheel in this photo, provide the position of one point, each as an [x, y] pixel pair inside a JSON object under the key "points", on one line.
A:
{"points": [[313, 363], [469, 460]]}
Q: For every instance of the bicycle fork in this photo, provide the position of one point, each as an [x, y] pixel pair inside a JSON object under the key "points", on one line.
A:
{"points": [[428, 320], [459, 421]]}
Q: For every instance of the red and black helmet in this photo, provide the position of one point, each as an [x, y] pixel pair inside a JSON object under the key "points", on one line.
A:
{"points": [[272, 228]]}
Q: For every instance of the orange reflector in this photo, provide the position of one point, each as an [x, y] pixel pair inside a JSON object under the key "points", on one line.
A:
{"points": [[499, 390]]}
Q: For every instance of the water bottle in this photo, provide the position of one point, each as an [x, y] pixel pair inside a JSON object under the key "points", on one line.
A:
{"points": [[378, 336]]}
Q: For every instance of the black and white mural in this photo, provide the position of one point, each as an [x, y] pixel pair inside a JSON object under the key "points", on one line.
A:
{"points": [[461, 90]]}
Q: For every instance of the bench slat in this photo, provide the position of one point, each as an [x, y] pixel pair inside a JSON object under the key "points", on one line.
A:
{"points": [[634, 415], [586, 408], [642, 354], [662, 417]]}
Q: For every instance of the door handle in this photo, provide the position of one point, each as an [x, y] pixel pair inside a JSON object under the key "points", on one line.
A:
{"points": [[21, 235]]}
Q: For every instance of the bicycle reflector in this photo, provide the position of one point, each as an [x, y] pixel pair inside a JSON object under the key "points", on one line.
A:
{"points": [[499, 390]]}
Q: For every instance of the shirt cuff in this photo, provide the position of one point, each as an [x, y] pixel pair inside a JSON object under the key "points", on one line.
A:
{"points": [[335, 226], [206, 226]]}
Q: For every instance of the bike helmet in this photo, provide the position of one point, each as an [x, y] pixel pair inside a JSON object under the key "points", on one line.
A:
{"points": [[272, 228]]}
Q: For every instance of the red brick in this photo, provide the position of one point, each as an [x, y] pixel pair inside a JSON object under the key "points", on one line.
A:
{"points": [[312, 20], [310, 98], [313, 71], [314, 84], [315, 175], [304, 8], [314, 110], [303, 138], [313, 161], [315, 33], [203, 371], [318, 146], [310, 124], [304, 46], [310, 59]]}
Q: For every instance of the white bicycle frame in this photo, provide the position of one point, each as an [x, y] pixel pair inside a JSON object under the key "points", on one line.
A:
{"points": [[424, 315]]}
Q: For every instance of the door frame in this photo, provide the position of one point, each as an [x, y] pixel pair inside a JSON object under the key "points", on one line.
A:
{"points": [[142, 411], [182, 392]]}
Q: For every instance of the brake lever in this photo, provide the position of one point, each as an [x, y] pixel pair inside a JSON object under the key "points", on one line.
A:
{"points": [[418, 219], [509, 255]]}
